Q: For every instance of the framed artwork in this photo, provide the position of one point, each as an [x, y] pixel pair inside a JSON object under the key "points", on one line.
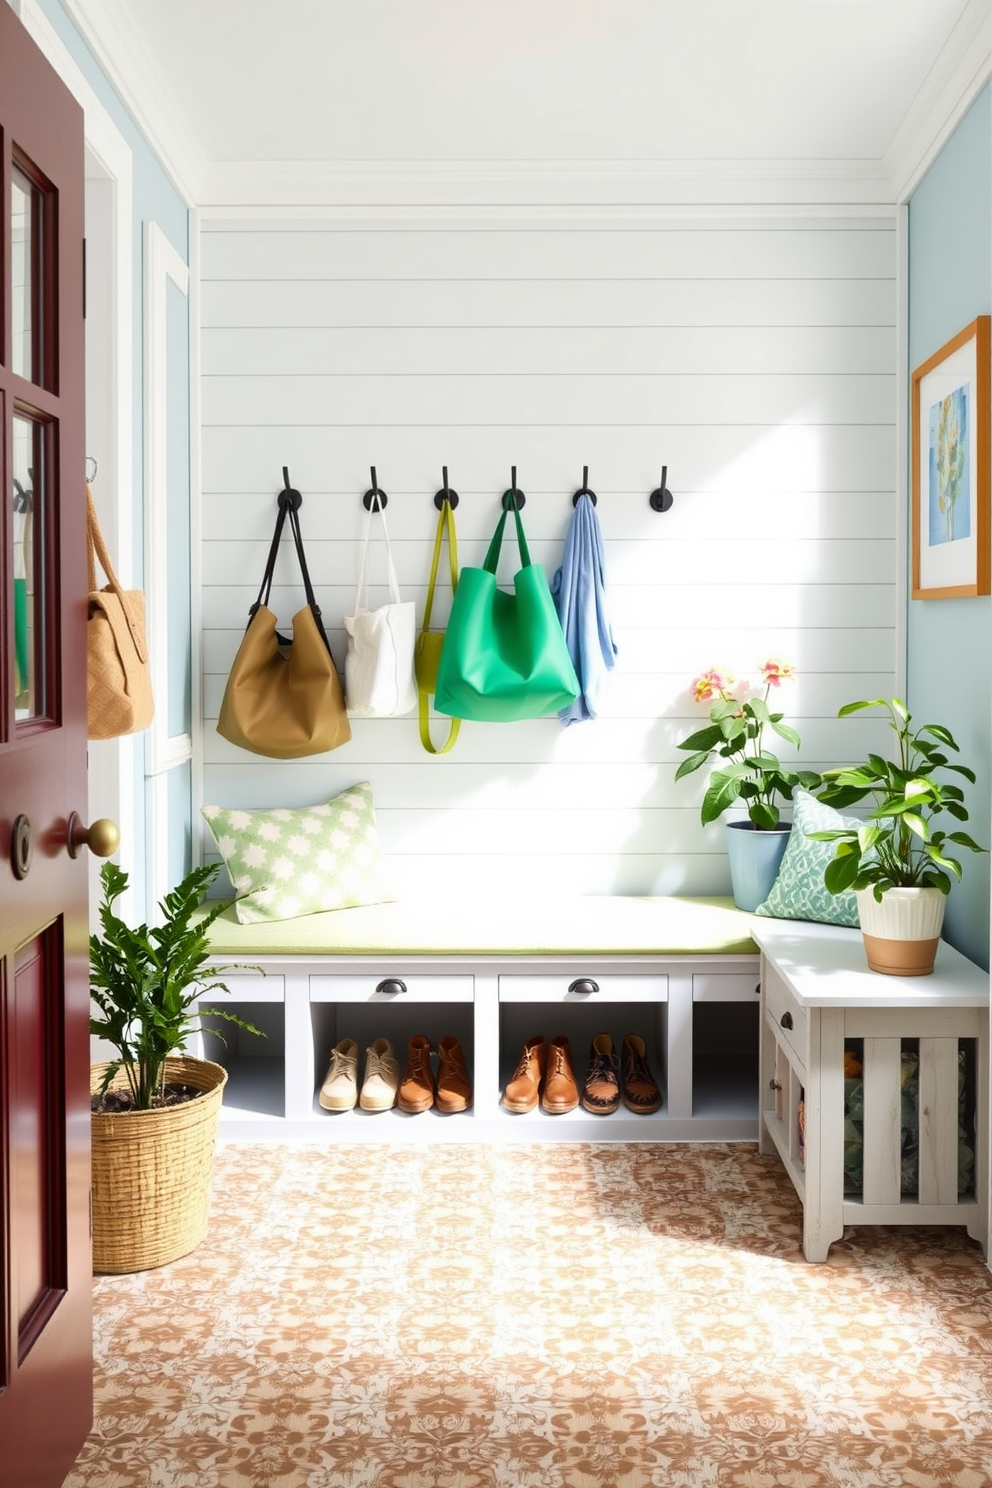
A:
{"points": [[949, 455]]}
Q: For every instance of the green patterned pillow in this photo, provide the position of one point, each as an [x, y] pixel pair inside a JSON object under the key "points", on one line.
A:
{"points": [[799, 892], [283, 862]]}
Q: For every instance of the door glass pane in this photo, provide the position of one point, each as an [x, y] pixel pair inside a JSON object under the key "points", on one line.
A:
{"points": [[24, 226], [28, 508]]}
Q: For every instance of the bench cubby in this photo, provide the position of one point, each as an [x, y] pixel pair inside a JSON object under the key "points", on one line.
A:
{"points": [[670, 970]]}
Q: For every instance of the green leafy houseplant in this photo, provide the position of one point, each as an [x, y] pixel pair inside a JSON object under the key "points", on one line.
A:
{"points": [[735, 733], [146, 982], [897, 846]]}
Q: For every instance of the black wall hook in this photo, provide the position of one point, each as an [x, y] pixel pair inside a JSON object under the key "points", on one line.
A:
{"points": [[661, 498], [287, 496], [374, 498], [584, 488], [446, 494], [519, 496]]}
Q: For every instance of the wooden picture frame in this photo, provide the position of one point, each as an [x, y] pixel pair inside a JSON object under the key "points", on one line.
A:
{"points": [[950, 474]]}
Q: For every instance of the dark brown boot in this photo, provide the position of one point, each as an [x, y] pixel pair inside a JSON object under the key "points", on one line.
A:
{"points": [[601, 1091], [640, 1088], [522, 1092], [561, 1093], [454, 1088], [417, 1091]]}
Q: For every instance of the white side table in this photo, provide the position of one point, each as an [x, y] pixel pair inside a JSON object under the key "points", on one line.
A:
{"points": [[817, 991]]}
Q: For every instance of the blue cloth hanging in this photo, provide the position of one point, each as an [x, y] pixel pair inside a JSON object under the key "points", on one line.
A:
{"points": [[579, 592]]}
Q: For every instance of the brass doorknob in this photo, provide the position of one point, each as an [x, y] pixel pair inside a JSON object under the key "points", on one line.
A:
{"points": [[102, 837]]}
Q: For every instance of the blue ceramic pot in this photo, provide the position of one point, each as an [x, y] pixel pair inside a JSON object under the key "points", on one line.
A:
{"points": [[755, 858]]}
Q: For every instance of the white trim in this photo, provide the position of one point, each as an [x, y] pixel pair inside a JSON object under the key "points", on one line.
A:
{"points": [[901, 636], [162, 752], [958, 75], [174, 751], [544, 184], [196, 534], [524, 219], [123, 52], [161, 264], [157, 842]]}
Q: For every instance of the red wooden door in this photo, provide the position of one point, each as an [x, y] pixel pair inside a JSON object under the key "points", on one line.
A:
{"points": [[45, 1268]]}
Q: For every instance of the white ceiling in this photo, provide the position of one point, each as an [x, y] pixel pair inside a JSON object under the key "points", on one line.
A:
{"points": [[670, 83]]}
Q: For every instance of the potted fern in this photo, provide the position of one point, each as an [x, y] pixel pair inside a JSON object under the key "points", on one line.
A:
{"points": [[154, 1108], [899, 863]]}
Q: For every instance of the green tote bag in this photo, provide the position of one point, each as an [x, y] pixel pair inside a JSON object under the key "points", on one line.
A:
{"points": [[504, 655]]}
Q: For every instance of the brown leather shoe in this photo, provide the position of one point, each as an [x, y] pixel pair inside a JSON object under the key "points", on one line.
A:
{"points": [[522, 1092], [417, 1091], [561, 1093], [640, 1088], [454, 1088], [601, 1091]]}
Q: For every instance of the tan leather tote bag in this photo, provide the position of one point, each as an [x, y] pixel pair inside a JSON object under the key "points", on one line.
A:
{"points": [[284, 697], [118, 681]]}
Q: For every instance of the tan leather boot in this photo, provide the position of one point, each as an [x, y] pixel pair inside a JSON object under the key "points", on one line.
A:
{"points": [[417, 1091], [522, 1092], [454, 1087], [561, 1093]]}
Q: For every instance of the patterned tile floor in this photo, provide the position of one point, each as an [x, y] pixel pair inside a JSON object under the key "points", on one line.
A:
{"points": [[594, 1316]]}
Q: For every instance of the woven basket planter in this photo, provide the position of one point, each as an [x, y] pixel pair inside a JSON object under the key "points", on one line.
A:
{"points": [[152, 1171]]}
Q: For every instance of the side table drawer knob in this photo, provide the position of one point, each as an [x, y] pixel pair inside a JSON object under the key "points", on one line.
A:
{"points": [[584, 985], [786, 1020], [391, 986]]}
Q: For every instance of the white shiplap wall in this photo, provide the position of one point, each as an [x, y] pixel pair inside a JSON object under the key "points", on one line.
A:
{"points": [[754, 357]]}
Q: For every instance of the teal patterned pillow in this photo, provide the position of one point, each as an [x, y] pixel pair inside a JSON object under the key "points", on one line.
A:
{"points": [[799, 892], [284, 862]]}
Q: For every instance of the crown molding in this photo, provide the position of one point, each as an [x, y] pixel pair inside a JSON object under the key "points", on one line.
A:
{"points": [[544, 184], [131, 66], [960, 71]]}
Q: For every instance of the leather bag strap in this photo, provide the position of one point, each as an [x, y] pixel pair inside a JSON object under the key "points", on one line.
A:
{"points": [[287, 508], [424, 719], [445, 528], [96, 548]]}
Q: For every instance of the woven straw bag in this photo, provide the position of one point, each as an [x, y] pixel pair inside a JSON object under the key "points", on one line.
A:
{"points": [[118, 681], [152, 1171]]}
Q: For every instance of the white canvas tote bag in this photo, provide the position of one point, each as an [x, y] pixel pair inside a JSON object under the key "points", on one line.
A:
{"points": [[378, 667]]}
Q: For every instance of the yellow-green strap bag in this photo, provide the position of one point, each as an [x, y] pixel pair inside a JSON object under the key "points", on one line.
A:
{"points": [[427, 652]]}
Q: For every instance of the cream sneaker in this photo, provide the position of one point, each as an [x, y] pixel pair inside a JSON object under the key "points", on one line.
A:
{"points": [[339, 1091], [382, 1077]]}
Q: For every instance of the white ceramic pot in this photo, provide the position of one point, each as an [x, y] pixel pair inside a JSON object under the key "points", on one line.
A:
{"points": [[901, 930]]}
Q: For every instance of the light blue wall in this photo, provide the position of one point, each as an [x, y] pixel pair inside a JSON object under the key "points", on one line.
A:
{"points": [[948, 669]]}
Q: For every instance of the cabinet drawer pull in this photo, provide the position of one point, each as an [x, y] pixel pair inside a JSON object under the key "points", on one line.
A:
{"points": [[774, 1084], [584, 985], [390, 986], [786, 1020]]}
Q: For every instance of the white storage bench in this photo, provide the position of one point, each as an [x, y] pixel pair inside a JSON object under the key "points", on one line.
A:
{"points": [[681, 972], [819, 1000]]}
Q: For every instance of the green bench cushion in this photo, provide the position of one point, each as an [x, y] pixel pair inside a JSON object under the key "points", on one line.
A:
{"points": [[606, 925]]}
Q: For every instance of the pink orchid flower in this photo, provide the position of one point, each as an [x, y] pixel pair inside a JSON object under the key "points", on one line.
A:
{"points": [[775, 672], [709, 684]]}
